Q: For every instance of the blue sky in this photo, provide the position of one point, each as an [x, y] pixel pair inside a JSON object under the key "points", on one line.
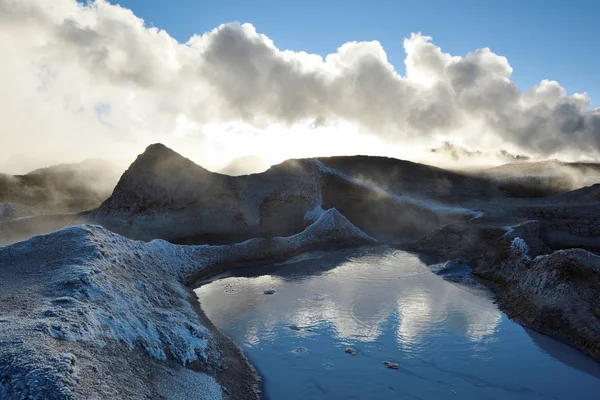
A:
{"points": [[542, 39]]}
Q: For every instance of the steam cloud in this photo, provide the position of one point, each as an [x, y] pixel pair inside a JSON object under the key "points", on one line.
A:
{"points": [[79, 79]]}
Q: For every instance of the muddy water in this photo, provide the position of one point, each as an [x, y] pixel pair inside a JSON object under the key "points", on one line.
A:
{"points": [[448, 338]]}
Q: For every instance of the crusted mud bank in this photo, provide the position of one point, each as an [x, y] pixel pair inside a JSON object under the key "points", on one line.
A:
{"points": [[552, 291], [88, 313]]}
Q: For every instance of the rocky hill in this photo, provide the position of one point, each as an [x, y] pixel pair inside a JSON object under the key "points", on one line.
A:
{"points": [[167, 196]]}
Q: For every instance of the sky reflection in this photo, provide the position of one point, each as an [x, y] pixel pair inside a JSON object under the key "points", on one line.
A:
{"points": [[448, 338]]}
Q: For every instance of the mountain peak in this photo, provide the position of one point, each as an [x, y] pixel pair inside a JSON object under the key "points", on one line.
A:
{"points": [[161, 177], [158, 152], [157, 149], [159, 161]]}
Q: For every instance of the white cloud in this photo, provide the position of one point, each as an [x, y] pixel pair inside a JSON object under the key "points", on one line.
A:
{"points": [[92, 80]]}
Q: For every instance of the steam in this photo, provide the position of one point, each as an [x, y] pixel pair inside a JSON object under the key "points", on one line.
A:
{"points": [[450, 155], [241, 166], [89, 80]]}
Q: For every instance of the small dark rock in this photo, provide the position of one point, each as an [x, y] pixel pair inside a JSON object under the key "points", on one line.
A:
{"points": [[390, 365], [350, 351], [300, 350]]}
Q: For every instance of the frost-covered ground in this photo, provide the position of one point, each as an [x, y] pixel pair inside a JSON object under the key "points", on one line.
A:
{"points": [[90, 287], [86, 313]]}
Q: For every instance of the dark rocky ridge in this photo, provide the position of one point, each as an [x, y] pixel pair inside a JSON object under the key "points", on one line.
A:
{"points": [[164, 195], [414, 179]]}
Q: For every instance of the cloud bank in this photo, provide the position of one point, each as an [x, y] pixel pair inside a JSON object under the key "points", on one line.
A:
{"points": [[91, 80]]}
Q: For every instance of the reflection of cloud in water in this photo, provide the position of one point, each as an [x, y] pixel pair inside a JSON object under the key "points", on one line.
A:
{"points": [[414, 310], [399, 283], [356, 298], [458, 311]]}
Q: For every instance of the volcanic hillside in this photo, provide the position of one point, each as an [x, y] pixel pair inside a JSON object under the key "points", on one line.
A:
{"points": [[164, 195]]}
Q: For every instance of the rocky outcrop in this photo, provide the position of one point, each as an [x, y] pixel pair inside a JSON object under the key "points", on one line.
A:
{"points": [[163, 195], [558, 295], [568, 220], [554, 292], [84, 308], [378, 212]]}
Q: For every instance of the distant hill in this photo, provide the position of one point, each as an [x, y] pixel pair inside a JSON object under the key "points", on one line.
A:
{"points": [[545, 168], [61, 188], [544, 178]]}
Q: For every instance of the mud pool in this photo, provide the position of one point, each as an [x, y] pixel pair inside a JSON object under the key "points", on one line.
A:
{"points": [[294, 320]]}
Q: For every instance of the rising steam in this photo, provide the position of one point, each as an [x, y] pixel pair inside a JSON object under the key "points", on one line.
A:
{"points": [[89, 80]]}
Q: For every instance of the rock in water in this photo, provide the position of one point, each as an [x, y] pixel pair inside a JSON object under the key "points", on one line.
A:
{"points": [[269, 291], [300, 350], [350, 351], [390, 365]]}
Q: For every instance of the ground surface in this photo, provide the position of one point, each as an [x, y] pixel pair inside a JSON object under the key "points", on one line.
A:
{"points": [[87, 312]]}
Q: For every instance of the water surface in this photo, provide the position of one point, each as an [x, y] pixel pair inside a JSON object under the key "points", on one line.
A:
{"points": [[448, 339]]}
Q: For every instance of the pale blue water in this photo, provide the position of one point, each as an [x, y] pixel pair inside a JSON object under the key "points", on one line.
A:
{"points": [[450, 340]]}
